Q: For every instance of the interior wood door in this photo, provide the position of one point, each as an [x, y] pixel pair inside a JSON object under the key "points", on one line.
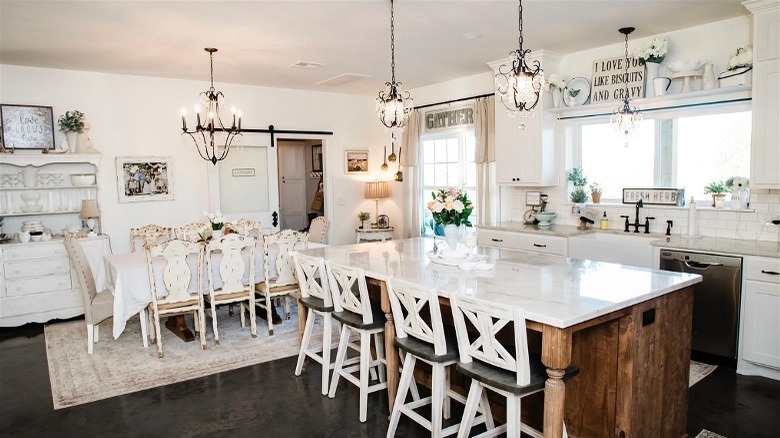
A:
{"points": [[248, 183], [292, 185]]}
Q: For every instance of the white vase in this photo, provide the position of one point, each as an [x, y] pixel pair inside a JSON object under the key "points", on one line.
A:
{"points": [[366, 224], [708, 79], [217, 234], [651, 72], [451, 232], [739, 198], [557, 93], [73, 139]]}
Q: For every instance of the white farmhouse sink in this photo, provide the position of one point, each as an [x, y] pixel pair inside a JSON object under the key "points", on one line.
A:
{"points": [[627, 249]]}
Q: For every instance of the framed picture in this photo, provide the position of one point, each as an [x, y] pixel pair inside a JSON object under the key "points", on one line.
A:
{"points": [[316, 158], [383, 221], [27, 126], [143, 179], [357, 161]]}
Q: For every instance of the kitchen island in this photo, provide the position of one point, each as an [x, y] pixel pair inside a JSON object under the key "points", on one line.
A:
{"points": [[628, 329]]}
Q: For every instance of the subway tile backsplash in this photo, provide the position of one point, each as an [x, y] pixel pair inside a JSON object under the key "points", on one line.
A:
{"points": [[724, 223]]}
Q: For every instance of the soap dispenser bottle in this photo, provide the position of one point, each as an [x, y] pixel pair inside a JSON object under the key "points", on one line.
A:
{"points": [[604, 225]]}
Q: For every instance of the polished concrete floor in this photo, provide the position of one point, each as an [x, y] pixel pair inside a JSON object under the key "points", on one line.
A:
{"points": [[267, 400]]}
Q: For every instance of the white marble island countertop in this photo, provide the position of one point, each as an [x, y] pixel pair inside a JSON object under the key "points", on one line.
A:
{"points": [[553, 290]]}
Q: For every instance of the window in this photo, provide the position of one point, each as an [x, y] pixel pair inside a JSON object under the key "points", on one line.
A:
{"points": [[448, 161], [687, 149]]}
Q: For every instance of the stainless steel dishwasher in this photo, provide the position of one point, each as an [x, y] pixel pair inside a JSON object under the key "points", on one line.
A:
{"points": [[715, 299]]}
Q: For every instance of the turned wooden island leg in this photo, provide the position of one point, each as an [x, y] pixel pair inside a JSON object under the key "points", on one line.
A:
{"points": [[391, 353], [302, 313], [556, 356]]}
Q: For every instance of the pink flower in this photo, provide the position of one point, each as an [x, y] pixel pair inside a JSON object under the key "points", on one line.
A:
{"points": [[458, 206]]}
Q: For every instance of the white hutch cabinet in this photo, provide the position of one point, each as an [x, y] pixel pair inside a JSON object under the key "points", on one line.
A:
{"points": [[765, 145], [526, 157], [36, 280]]}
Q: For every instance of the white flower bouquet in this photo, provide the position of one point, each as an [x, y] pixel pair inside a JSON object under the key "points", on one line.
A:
{"points": [[654, 51], [451, 206], [737, 182], [555, 81], [742, 59], [216, 219]]}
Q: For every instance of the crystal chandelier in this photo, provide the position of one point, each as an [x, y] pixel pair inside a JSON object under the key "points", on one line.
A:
{"points": [[393, 105], [212, 139], [625, 118], [520, 85]]}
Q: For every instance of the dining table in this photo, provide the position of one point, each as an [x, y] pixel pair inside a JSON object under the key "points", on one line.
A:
{"points": [[627, 328], [132, 290]]}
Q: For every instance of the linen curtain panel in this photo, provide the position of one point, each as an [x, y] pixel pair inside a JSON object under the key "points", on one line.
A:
{"points": [[410, 160], [484, 131]]}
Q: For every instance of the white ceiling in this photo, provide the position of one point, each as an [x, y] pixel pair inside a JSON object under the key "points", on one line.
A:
{"points": [[258, 40]]}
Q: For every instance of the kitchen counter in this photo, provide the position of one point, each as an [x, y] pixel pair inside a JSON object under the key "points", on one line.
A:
{"points": [[522, 227], [760, 248]]}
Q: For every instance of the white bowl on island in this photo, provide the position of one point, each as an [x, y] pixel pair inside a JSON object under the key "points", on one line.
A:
{"points": [[545, 219]]}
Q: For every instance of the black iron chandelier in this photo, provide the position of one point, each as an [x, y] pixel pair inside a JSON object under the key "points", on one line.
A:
{"points": [[519, 86], [212, 139], [393, 105], [625, 118]]}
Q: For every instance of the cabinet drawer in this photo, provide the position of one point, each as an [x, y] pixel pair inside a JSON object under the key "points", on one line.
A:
{"points": [[762, 269], [34, 304], [32, 286], [501, 239], [34, 251], [543, 244], [36, 269]]}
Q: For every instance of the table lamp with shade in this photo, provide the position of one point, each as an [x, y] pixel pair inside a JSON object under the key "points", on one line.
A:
{"points": [[377, 190], [90, 212]]}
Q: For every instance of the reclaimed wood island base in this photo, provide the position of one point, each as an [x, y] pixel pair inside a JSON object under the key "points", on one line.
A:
{"points": [[628, 329]]}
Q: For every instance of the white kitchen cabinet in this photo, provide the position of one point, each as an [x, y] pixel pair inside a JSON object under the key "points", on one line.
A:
{"points": [[525, 147], [527, 242], [765, 144], [761, 313]]}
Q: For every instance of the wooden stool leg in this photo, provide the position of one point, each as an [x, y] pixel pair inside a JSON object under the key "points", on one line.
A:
{"points": [[407, 375], [513, 416], [365, 358], [475, 393], [340, 355], [437, 399], [326, 335], [305, 343]]}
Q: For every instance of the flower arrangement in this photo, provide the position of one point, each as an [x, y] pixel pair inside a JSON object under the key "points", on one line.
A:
{"points": [[216, 219], [556, 82], [654, 51], [71, 121], [737, 182], [451, 207], [742, 59]]}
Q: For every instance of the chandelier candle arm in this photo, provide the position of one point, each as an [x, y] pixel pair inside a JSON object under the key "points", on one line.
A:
{"points": [[212, 101]]}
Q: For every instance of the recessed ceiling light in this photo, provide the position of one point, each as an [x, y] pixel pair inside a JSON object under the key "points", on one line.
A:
{"points": [[471, 36], [308, 65]]}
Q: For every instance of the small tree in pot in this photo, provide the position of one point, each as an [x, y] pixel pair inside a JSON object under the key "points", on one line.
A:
{"points": [[576, 177], [718, 191], [595, 192]]}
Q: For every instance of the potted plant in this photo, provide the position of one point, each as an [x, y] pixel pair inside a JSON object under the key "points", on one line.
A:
{"points": [[217, 222], [595, 192], [365, 222], [71, 124], [556, 86], [718, 191], [578, 179]]}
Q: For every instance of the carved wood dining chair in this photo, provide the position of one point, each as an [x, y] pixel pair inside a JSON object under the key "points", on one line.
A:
{"points": [[413, 307], [353, 309], [98, 305], [181, 297], [190, 232], [283, 284], [246, 227], [508, 371], [318, 230], [225, 256], [148, 235]]}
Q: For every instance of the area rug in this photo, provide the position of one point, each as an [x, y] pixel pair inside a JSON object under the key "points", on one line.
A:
{"points": [[707, 434], [699, 371], [123, 366]]}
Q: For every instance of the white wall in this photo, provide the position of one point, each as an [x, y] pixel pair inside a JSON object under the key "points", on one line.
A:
{"points": [[136, 115]]}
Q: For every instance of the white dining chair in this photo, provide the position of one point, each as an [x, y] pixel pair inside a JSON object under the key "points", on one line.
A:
{"points": [[148, 235], [283, 284], [413, 307], [318, 229], [490, 365], [191, 232], [353, 309], [225, 256]]}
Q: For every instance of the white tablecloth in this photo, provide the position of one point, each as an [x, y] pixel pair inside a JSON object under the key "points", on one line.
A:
{"points": [[132, 291]]}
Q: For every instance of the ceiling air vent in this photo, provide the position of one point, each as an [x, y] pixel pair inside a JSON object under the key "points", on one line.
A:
{"points": [[343, 79], [306, 65]]}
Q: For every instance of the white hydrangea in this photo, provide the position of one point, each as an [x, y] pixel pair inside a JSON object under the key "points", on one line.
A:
{"points": [[654, 51], [743, 58], [555, 81]]}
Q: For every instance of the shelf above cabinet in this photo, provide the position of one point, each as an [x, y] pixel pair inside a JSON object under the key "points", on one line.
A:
{"points": [[39, 213], [44, 188], [737, 93], [22, 159]]}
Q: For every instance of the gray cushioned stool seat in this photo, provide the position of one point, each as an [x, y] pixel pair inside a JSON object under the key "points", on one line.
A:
{"points": [[315, 304], [424, 350], [507, 381], [354, 320]]}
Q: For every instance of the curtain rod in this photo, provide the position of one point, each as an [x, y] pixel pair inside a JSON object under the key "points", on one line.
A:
{"points": [[455, 100], [689, 105]]}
